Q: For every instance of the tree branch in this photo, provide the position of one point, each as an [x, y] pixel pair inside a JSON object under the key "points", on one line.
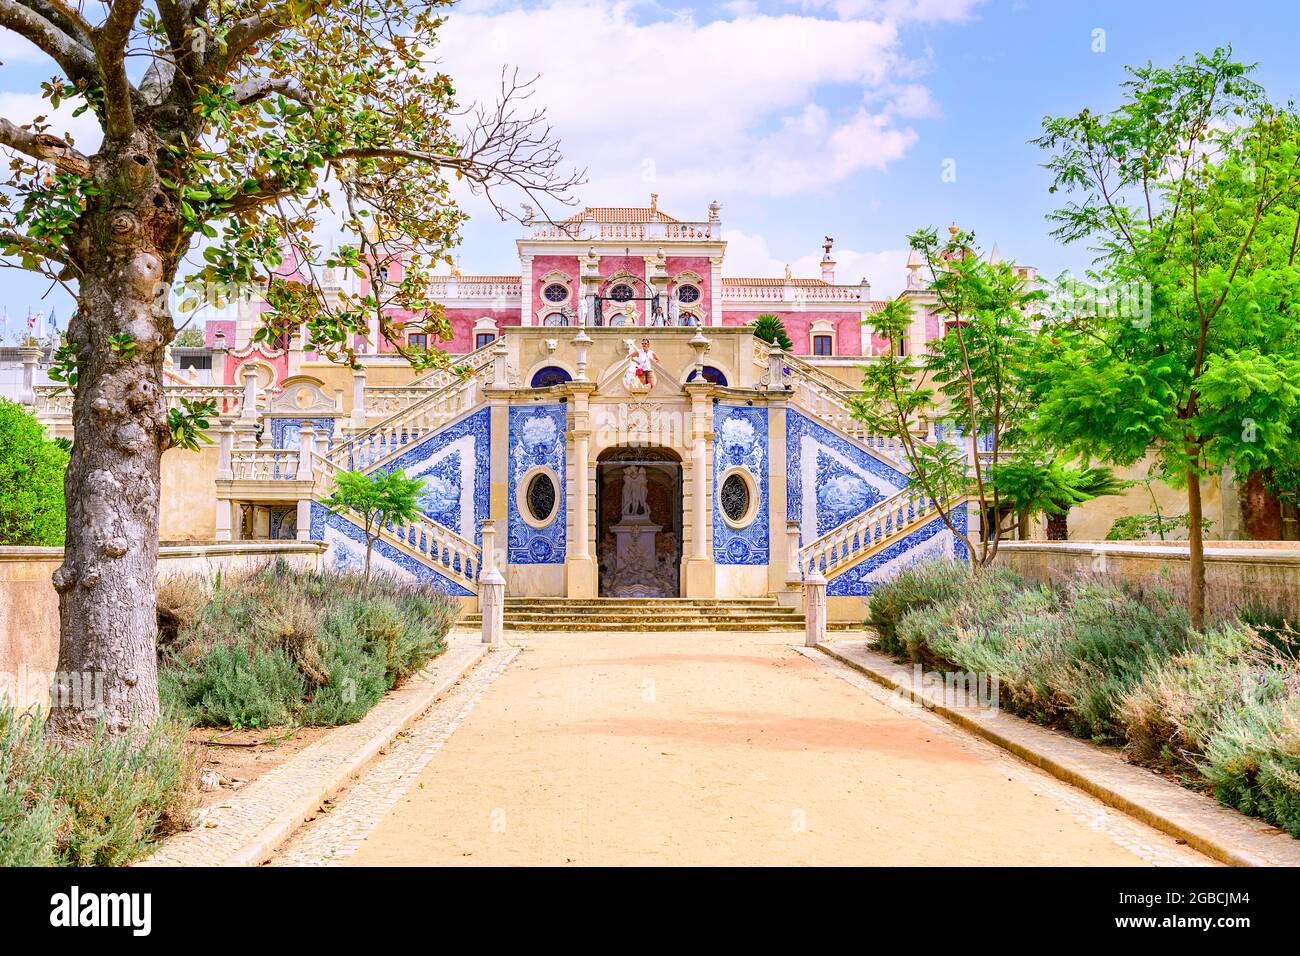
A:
{"points": [[44, 147], [110, 44], [250, 91], [73, 57]]}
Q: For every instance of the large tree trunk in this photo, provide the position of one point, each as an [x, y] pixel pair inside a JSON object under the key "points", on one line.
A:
{"points": [[1196, 549], [1261, 509], [1058, 526], [108, 623]]}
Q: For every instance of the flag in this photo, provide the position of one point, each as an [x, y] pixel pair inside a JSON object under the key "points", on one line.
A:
{"points": [[54, 323], [31, 318]]}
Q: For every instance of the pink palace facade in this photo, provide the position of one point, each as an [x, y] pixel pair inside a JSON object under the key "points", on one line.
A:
{"points": [[633, 266]]}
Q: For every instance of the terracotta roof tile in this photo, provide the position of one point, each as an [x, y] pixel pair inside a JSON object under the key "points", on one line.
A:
{"points": [[621, 214], [770, 282]]}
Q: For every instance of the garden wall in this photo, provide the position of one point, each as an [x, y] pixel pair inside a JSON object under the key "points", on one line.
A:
{"points": [[29, 606], [1236, 572]]}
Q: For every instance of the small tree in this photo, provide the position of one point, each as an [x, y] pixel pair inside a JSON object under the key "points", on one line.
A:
{"points": [[1190, 348], [771, 329], [31, 480], [379, 498], [1052, 488], [970, 382]]}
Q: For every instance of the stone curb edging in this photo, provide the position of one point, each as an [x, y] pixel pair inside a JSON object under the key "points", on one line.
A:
{"points": [[259, 818], [1203, 824]]}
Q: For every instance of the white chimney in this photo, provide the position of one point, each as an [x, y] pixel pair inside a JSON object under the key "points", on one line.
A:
{"points": [[828, 264]]}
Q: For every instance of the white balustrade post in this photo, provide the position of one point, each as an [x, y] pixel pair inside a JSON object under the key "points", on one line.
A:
{"points": [[492, 604], [306, 444], [359, 397], [322, 443], [775, 368], [814, 604]]}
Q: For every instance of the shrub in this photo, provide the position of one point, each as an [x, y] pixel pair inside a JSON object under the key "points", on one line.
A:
{"points": [[279, 646], [103, 804], [1252, 757], [31, 480], [918, 586], [1171, 713]]}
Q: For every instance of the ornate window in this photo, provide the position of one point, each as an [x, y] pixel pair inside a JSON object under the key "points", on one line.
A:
{"points": [[550, 375], [541, 497], [482, 339], [555, 292], [621, 293], [735, 498], [711, 375], [688, 294], [555, 318], [823, 345], [417, 340]]}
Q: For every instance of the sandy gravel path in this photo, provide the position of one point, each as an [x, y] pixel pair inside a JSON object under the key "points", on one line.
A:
{"points": [[727, 749]]}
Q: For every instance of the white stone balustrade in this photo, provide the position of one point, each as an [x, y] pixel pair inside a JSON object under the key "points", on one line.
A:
{"points": [[55, 401], [869, 530], [264, 464]]}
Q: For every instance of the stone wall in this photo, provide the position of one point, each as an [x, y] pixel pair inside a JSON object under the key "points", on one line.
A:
{"points": [[1236, 572], [29, 606]]}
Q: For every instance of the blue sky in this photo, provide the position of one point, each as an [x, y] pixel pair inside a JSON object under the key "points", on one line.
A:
{"points": [[807, 118]]}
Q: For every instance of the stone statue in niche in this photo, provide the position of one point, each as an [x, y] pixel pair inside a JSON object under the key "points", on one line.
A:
{"points": [[634, 492]]}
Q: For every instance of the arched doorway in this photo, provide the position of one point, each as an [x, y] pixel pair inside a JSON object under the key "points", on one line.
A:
{"points": [[639, 522]]}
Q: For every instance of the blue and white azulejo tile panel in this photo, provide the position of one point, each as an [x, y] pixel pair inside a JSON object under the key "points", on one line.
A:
{"points": [[284, 431], [454, 464], [740, 441], [831, 479], [536, 440]]}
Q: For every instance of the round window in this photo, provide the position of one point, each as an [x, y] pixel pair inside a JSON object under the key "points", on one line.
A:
{"points": [[621, 293], [734, 498], [541, 497], [688, 294], [555, 293]]}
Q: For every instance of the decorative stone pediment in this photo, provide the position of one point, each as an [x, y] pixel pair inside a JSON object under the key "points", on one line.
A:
{"points": [[302, 395], [614, 383]]}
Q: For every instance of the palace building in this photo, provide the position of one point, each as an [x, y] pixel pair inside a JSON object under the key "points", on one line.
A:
{"points": [[731, 469]]}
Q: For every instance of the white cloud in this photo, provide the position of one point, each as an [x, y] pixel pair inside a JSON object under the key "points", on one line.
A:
{"points": [[758, 104], [22, 108], [748, 254], [924, 11]]}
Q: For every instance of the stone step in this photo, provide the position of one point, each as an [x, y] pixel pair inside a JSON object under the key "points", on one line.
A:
{"points": [[656, 627], [640, 602]]}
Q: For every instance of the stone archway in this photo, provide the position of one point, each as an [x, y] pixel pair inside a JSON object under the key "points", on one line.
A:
{"points": [[639, 522]]}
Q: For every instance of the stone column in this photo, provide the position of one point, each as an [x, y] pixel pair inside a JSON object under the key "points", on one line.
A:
{"points": [[304, 519], [579, 566], [225, 444], [814, 609], [306, 445], [225, 519], [701, 576], [30, 356], [261, 522], [248, 373], [792, 594], [218, 358]]}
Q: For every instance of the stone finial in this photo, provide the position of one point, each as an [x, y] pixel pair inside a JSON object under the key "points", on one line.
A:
{"points": [[715, 207]]}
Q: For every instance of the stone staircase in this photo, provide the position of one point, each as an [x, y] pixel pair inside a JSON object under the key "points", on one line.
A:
{"points": [[640, 615]]}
